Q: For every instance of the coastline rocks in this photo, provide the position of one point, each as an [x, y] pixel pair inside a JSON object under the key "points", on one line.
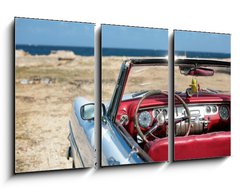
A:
{"points": [[21, 53], [55, 58], [63, 55]]}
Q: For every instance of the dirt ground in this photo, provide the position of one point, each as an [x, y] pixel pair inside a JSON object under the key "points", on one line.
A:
{"points": [[45, 89], [137, 80]]}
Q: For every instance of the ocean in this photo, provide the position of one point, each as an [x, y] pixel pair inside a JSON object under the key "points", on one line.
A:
{"points": [[194, 54], [46, 50], [89, 51]]}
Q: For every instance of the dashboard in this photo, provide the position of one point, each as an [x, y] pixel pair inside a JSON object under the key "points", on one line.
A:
{"points": [[205, 117]]}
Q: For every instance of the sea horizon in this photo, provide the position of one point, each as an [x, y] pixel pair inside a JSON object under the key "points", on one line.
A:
{"points": [[89, 51]]}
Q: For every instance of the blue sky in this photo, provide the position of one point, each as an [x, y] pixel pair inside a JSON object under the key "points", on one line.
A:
{"points": [[55, 33], [202, 42], [134, 37]]}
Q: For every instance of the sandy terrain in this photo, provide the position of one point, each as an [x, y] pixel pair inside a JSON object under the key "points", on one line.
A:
{"points": [[45, 88]]}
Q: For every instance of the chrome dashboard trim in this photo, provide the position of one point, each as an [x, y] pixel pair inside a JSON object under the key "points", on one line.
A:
{"points": [[178, 105]]}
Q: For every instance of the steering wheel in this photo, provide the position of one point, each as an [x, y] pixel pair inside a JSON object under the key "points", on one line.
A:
{"points": [[156, 125]]}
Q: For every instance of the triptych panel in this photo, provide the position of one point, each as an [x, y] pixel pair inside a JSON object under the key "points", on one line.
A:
{"points": [[55, 104], [202, 95], [54, 77], [134, 92]]}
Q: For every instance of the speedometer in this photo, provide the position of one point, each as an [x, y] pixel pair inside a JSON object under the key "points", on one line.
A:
{"points": [[145, 119], [224, 112]]}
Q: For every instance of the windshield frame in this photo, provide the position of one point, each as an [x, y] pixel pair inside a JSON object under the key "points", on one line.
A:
{"points": [[122, 80]]}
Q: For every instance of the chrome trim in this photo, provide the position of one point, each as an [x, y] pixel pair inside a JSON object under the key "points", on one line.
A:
{"points": [[192, 104], [197, 110], [133, 151], [82, 136], [124, 119], [74, 145]]}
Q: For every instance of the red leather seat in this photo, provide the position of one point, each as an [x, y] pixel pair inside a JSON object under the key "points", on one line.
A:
{"points": [[217, 144], [158, 149]]}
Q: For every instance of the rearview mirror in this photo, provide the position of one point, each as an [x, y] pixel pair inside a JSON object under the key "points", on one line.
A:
{"points": [[201, 71]]}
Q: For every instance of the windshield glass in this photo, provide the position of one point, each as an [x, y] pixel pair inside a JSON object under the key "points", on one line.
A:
{"points": [[219, 82], [145, 78]]}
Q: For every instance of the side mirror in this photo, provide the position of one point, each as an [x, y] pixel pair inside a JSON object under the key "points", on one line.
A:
{"points": [[87, 111], [103, 110]]}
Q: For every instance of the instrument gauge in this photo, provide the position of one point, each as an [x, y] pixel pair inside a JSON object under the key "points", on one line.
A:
{"points": [[214, 108], [224, 112], [208, 109], [155, 113], [145, 119], [165, 112]]}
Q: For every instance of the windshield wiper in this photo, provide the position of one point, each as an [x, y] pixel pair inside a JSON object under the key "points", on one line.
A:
{"points": [[138, 93]]}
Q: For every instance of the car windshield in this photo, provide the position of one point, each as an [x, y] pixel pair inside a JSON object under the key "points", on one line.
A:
{"points": [[218, 83], [145, 78]]}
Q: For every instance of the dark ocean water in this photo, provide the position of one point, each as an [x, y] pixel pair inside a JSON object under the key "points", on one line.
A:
{"points": [[193, 54], [46, 50], [89, 51]]}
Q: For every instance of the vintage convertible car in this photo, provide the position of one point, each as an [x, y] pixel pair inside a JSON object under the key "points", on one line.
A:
{"points": [[134, 124]]}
